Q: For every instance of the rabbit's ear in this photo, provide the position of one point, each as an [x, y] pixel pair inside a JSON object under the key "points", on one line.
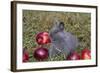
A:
{"points": [[61, 25]]}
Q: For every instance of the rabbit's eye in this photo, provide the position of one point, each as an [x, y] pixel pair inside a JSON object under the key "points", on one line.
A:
{"points": [[61, 25]]}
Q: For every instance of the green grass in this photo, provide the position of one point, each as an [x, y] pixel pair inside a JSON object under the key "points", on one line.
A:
{"points": [[34, 22]]}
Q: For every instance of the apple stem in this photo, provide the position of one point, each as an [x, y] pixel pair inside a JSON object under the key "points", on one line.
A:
{"points": [[41, 45]]}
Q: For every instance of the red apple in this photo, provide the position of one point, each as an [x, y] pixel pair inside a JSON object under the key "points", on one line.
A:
{"points": [[41, 54], [86, 54], [73, 56], [25, 56], [43, 38]]}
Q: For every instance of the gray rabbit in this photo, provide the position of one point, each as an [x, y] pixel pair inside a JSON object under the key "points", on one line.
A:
{"points": [[61, 41]]}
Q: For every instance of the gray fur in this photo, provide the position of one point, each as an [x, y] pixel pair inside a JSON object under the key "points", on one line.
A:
{"points": [[61, 41]]}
